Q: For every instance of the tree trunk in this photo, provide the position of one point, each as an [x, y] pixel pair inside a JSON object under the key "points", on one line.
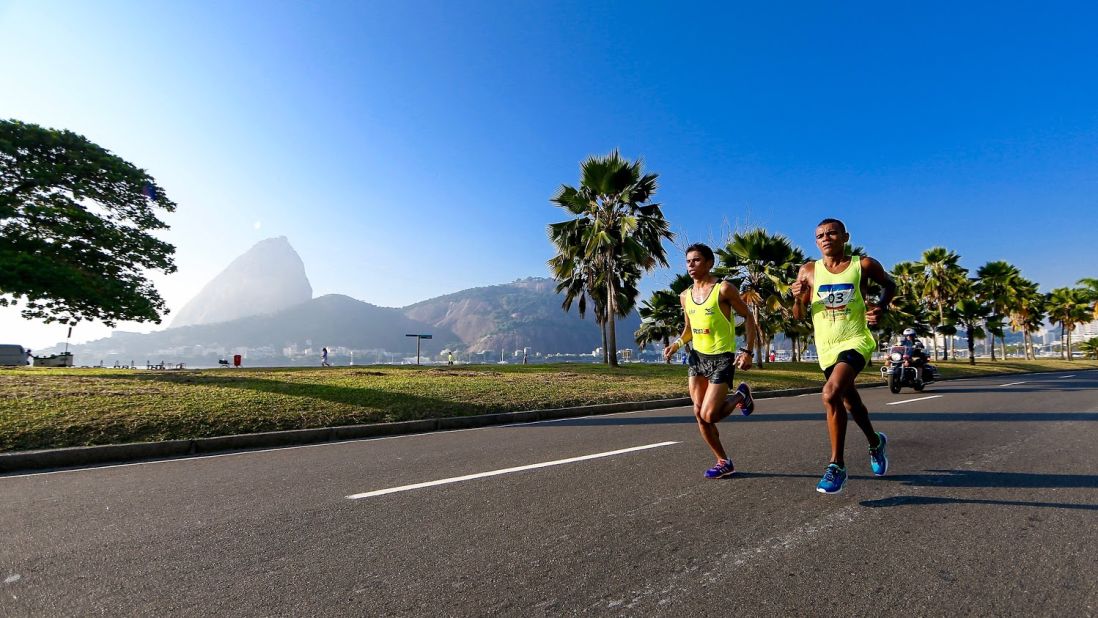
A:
{"points": [[605, 358], [1002, 342], [991, 339], [611, 321], [1069, 344], [758, 337], [666, 343], [971, 348]]}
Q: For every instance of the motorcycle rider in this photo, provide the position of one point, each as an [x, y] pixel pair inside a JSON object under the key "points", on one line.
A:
{"points": [[915, 350]]}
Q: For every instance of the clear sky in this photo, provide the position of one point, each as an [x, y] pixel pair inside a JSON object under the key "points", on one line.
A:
{"points": [[409, 149]]}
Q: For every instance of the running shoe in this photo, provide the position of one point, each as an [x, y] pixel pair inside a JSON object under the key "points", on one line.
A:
{"points": [[748, 404], [878, 459], [722, 469], [833, 480]]}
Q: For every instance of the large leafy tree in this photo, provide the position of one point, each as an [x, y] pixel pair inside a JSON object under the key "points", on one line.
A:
{"points": [[760, 264], [75, 229], [615, 236]]}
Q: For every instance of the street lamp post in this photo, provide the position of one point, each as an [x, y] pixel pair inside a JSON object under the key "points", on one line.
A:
{"points": [[419, 338]]}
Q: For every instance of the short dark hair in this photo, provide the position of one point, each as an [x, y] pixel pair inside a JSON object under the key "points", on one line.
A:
{"points": [[842, 226], [703, 249]]}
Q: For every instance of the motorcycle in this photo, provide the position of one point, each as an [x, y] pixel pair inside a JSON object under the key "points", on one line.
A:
{"points": [[899, 371]]}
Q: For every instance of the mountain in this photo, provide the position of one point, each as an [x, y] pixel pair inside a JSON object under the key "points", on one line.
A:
{"points": [[332, 320], [523, 314], [266, 279]]}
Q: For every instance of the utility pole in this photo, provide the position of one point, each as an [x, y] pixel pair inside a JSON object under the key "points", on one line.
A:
{"points": [[419, 338]]}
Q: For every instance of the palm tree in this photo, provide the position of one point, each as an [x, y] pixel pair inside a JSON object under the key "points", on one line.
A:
{"points": [[760, 264], [661, 319], [1090, 346], [1068, 307], [1026, 310], [995, 282], [615, 235], [970, 313], [1090, 290], [943, 277]]}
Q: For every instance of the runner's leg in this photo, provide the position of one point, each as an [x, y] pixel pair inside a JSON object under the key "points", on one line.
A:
{"points": [[841, 381], [709, 404], [852, 400]]}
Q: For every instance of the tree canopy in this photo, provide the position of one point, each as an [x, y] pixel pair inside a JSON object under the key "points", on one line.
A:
{"points": [[75, 223]]}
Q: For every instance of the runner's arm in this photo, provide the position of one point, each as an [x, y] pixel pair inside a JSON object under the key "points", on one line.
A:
{"points": [[731, 295], [872, 269], [802, 287], [686, 336]]}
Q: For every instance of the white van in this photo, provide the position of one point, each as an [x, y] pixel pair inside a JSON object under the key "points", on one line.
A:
{"points": [[12, 355]]}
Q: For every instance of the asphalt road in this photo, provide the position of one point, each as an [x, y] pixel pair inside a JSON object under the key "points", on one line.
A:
{"points": [[990, 507]]}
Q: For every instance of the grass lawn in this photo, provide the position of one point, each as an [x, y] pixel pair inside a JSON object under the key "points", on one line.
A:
{"points": [[49, 408]]}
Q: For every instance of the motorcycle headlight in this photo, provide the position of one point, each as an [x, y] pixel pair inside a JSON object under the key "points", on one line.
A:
{"points": [[896, 356]]}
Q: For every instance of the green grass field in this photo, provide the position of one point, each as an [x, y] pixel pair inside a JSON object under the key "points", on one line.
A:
{"points": [[49, 408]]}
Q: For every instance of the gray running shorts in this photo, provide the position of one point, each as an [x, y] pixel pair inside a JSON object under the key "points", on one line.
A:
{"points": [[717, 368]]}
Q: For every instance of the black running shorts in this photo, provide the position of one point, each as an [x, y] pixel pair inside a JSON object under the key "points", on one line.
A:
{"points": [[717, 368], [853, 358]]}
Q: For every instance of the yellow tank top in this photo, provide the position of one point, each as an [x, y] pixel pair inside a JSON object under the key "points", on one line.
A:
{"points": [[838, 313], [712, 332]]}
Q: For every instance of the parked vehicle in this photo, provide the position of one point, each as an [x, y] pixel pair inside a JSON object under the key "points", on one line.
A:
{"points": [[899, 370], [63, 359], [12, 355]]}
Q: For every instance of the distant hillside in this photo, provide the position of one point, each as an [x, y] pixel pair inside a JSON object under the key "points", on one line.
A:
{"points": [[508, 317], [331, 320], [511, 316]]}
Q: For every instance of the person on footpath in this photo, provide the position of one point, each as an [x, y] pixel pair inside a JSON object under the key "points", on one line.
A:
{"points": [[833, 289], [707, 306]]}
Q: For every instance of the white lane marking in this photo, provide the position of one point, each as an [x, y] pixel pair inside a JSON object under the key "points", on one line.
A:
{"points": [[1012, 384], [1070, 376], [479, 475], [319, 444], [896, 403]]}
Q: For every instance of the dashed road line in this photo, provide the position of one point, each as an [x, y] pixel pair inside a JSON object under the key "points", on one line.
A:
{"points": [[480, 475], [896, 403], [1012, 384]]}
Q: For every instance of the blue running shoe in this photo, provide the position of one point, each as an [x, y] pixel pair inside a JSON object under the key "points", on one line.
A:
{"points": [[722, 469], [833, 480], [878, 459], [748, 405]]}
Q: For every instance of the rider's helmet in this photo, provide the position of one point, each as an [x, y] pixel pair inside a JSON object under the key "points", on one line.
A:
{"points": [[909, 332]]}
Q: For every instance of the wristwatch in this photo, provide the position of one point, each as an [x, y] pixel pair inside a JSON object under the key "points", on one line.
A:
{"points": [[747, 352]]}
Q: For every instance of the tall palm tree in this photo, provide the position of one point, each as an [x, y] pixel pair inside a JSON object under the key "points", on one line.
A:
{"points": [[1068, 307], [1026, 310], [760, 265], [616, 234], [942, 279], [970, 314], [995, 282]]}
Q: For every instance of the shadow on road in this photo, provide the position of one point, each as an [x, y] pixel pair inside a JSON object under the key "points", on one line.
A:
{"points": [[877, 415], [928, 500]]}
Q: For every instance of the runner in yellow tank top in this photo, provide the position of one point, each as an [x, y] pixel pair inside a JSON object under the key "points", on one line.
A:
{"points": [[707, 309], [833, 288]]}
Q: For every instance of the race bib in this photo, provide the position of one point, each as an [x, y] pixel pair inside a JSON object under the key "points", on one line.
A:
{"points": [[836, 296]]}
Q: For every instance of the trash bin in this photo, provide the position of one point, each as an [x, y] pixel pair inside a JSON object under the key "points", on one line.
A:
{"points": [[236, 360]]}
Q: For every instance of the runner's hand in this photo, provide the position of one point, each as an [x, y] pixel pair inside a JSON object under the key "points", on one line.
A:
{"points": [[743, 361], [873, 314], [799, 287]]}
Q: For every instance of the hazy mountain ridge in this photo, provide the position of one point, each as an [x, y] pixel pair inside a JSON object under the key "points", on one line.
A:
{"points": [[266, 279]]}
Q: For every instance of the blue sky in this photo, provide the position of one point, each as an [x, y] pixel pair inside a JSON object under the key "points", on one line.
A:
{"points": [[409, 149]]}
